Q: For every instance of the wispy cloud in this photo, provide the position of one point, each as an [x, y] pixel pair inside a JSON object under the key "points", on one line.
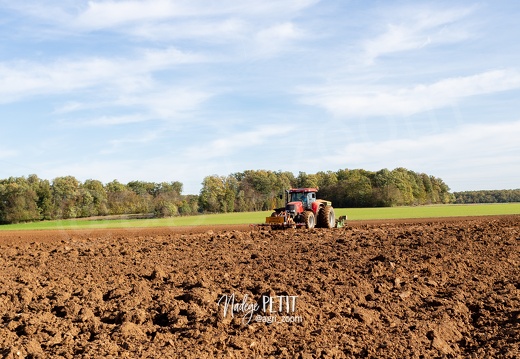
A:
{"points": [[103, 14], [262, 26], [165, 103], [365, 101], [227, 145], [99, 14], [114, 120], [231, 24], [68, 107], [415, 28], [215, 30], [277, 38], [23, 78]]}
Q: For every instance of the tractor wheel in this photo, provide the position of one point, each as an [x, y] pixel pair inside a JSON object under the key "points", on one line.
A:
{"points": [[326, 217], [308, 219]]}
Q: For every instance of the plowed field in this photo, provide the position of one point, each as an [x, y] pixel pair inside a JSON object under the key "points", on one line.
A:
{"points": [[410, 289]]}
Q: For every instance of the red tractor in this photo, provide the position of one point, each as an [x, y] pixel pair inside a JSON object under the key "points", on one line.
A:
{"points": [[302, 209]]}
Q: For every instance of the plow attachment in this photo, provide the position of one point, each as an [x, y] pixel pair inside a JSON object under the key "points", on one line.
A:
{"points": [[284, 221], [341, 221]]}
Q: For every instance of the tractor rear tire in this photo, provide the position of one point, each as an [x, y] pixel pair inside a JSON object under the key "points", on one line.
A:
{"points": [[309, 219], [326, 217]]}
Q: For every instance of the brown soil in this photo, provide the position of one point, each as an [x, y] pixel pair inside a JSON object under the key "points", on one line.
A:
{"points": [[390, 289]]}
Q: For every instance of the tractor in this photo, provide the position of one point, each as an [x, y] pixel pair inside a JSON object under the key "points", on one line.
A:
{"points": [[302, 209]]}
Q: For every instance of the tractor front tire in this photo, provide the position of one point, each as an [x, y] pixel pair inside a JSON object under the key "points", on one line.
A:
{"points": [[309, 219], [326, 217]]}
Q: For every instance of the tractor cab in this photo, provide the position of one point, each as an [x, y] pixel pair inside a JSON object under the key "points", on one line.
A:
{"points": [[304, 195], [299, 200]]}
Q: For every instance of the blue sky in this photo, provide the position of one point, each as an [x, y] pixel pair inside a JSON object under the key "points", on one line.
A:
{"points": [[175, 90]]}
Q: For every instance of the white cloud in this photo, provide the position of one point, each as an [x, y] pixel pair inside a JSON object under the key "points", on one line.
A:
{"points": [[416, 28], [23, 78], [363, 101], [120, 14], [218, 31], [277, 37], [101, 14], [225, 146], [166, 103], [27, 79], [114, 120], [224, 21], [153, 60], [68, 107]]}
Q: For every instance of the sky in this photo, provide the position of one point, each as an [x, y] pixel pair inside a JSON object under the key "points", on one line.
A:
{"points": [[177, 90]]}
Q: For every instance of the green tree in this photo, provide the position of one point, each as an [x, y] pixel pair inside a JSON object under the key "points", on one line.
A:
{"points": [[18, 201], [305, 180], [401, 179], [358, 189], [65, 197], [189, 205], [169, 187], [165, 205], [43, 190], [260, 190], [121, 199], [99, 196], [326, 179], [385, 193], [142, 188], [212, 194], [85, 204]]}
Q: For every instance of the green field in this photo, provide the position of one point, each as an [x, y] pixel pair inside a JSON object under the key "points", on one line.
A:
{"points": [[259, 217]]}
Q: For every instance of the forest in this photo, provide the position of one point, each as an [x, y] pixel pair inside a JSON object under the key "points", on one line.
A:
{"points": [[24, 199], [488, 196], [260, 190]]}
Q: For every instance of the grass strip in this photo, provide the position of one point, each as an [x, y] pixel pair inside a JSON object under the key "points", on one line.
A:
{"points": [[353, 214]]}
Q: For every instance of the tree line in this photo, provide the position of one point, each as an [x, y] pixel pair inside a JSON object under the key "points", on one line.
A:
{"points": [[257, 190], [24, 199], [31, 198], [488, 196]]}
